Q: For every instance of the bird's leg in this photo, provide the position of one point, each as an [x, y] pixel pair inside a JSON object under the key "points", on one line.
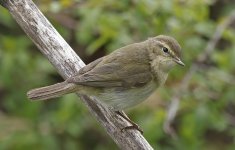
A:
{"points": [[133, 124]]}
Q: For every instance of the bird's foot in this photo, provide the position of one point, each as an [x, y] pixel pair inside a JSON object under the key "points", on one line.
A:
{"points": [[133, 124]]}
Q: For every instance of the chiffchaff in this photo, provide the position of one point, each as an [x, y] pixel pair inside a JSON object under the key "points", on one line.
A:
{"points": [[123, 78]]}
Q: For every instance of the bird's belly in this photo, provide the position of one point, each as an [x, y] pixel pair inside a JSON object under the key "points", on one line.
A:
{"points": [[121, 99]]}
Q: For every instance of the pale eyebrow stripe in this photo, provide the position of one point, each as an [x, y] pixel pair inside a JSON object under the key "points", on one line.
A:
{"points": [[171, 52]]}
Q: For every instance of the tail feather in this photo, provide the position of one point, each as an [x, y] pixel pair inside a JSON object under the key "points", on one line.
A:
{"points": [[51, 91]]}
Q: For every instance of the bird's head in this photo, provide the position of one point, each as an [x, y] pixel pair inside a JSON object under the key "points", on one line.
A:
{"points": [[165, 52]]}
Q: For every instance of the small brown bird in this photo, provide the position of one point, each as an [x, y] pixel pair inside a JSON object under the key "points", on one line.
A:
{"points": [[123, 78]]}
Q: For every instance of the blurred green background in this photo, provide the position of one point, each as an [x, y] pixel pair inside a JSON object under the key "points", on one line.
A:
{"points": [[93, 28]]}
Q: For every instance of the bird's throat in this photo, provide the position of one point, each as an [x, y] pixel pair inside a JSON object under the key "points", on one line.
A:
{"points": [[158, 72]]}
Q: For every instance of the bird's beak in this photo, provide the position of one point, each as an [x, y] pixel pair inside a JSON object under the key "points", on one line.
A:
{"points": [[178, 61]]}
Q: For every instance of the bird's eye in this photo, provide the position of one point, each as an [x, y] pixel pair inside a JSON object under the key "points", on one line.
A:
{"points": [[165, 49]]}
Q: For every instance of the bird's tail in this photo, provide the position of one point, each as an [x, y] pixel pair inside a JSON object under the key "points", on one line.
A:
{"points": [[51, 91]]}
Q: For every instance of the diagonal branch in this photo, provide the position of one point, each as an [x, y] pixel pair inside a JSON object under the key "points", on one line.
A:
{"points": [[175, 100], [66, 61]]}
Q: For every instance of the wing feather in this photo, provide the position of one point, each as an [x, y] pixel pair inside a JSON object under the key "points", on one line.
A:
{"points": [[117, 69]]}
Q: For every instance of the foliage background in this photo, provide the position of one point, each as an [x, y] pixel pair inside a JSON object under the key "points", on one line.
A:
{"points": [[206, 117]]}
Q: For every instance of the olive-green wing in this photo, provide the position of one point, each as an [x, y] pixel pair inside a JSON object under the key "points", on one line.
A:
{"points": [[116, 70], [114, 75]]}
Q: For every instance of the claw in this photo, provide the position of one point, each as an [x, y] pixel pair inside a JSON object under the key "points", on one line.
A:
{"points": [[133, 127]]}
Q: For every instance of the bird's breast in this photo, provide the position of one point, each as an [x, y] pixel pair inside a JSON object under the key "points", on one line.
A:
{"points": [[122, 98]]}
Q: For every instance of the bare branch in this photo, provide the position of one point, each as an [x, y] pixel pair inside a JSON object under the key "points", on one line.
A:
{"points": [[172, 110], [66, 61]]}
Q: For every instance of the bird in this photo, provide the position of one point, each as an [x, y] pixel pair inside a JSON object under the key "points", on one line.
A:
{"points": [[123, 78]]}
